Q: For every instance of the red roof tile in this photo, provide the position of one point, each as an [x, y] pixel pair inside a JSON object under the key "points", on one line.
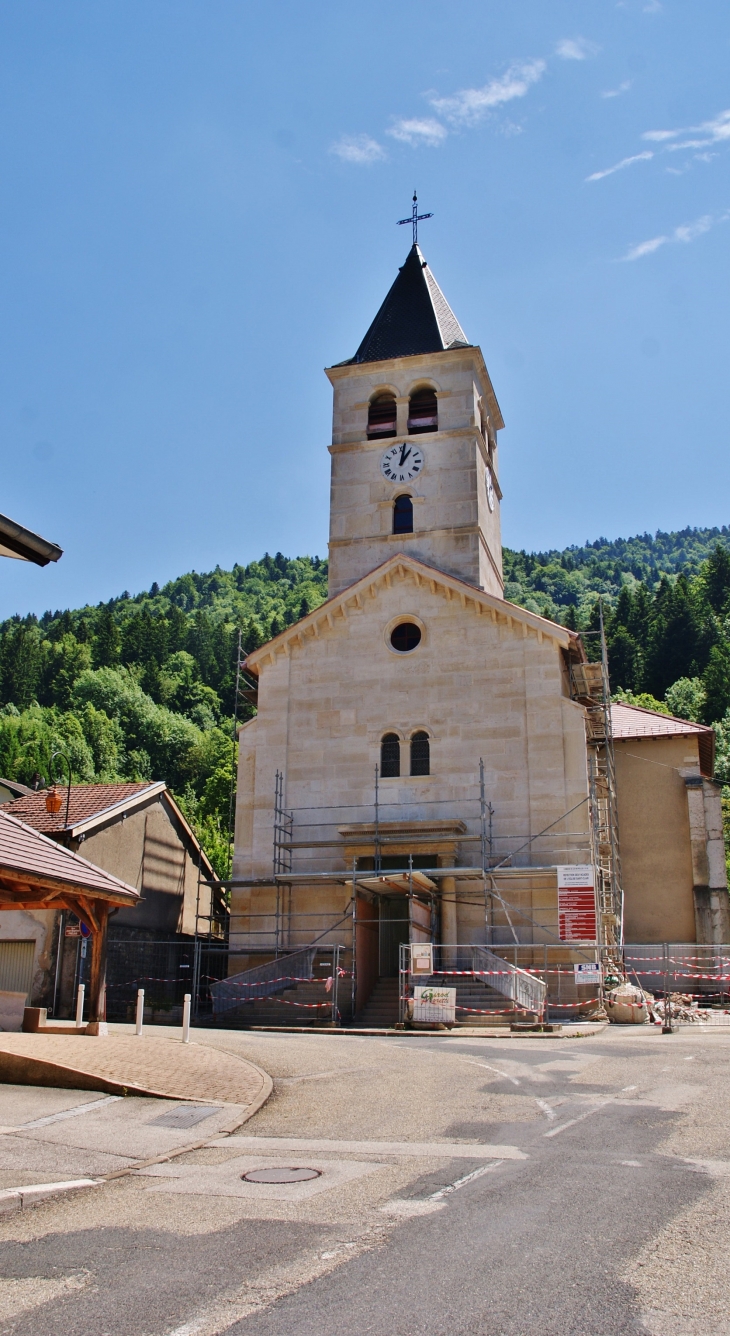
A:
{"points": [[87, 801], [24, 850]]}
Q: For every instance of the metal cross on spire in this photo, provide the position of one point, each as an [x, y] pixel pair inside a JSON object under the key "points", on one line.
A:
{"points": [[414, 219]]}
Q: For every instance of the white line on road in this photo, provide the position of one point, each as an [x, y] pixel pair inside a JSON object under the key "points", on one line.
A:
{"points": [[546, 1108], [473, 1062], [555, 1131], [458, 1150], [462, 1182]]}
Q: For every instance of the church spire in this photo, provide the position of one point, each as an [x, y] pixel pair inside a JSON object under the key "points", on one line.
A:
{"points": [[414, 318]]}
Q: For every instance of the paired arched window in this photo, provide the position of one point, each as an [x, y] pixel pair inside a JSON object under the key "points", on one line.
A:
{"points": [[403, 515], [423, 414], [390, 755], [420, 754], [382, 416]]}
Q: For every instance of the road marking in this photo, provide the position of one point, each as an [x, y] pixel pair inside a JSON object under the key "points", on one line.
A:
{"points": [[625, 1088], [473, 1062], [462, 1182], [457, 1150], [547, 1109], [66, 1113], [555, 1131], [632, 1164]]}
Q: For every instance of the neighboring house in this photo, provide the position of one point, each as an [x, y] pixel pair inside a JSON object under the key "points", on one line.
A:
{"points": [[10, 790], [138, 833], [670, 829]]}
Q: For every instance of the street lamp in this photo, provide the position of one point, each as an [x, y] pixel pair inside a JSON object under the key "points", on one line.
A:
{"points": [[52, 807]]}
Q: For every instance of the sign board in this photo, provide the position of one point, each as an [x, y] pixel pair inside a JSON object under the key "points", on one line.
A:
{"points": [[421, 958], [577, 902], [588, 972], [72, 930], [434, 1004]]}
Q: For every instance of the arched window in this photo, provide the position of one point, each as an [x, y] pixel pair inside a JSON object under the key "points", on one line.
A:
{"points": [[420, 754], [423, 412], [403, 515], [390, 756], [382, 416]]}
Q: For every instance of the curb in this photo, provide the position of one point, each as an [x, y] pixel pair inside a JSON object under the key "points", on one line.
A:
{"points": [[19, 1199]]}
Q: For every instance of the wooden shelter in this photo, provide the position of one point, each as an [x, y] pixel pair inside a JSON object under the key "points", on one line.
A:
{"points": [[37, 873]]}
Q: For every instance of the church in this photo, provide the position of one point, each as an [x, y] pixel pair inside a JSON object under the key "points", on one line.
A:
{"points": [[429, 763]]}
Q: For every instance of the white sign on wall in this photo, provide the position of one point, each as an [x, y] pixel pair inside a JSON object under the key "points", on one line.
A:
{"points": [[421, 958]]}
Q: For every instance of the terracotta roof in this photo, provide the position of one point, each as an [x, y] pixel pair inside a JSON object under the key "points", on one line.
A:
{"points": [[24, 850], [414, 318], [630, 721], [87, 801]]}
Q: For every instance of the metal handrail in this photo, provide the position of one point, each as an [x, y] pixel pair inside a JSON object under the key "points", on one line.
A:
{"points": [[263, 980], [525, 989]]}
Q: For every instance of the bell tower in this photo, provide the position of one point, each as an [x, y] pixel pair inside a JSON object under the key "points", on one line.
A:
{"points": [[414, 443]]}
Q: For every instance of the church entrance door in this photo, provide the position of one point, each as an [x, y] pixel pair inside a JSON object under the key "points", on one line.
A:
{"points": [[394, 929]]}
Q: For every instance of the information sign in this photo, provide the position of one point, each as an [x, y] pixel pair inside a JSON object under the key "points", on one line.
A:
{"points": [[588, 972], [434, 1004], [577, 903]]}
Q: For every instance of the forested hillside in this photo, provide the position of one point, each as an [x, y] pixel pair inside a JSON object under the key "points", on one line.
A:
{"points": [[143, 687]]}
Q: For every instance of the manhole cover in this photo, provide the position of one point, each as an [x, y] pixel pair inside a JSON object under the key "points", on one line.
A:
{"points": [[283, 1175]]}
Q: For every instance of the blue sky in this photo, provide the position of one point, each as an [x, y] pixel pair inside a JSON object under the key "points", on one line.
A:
{"points": [[198, 202]]}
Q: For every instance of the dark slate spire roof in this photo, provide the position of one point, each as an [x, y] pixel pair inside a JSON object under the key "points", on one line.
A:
{"points": [[414, 318]]}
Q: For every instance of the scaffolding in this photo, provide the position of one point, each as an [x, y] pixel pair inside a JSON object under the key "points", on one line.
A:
{"points": [[590, 686]]}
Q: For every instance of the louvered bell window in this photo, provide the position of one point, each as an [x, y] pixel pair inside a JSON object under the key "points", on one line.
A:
{"points": [[403, 515], [390, 756], [420, 754], [423, 412], [382, 416]]}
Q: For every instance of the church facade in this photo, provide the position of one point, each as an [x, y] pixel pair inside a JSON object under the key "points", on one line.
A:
{"points": [[416, 720]]}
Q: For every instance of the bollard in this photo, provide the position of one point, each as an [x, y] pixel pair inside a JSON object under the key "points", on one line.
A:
{"points": [[186, 1019], [140, 1009], [80, 1006]]}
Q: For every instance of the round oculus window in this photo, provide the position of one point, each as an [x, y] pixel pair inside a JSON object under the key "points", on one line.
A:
{"points": [[405, 637]]}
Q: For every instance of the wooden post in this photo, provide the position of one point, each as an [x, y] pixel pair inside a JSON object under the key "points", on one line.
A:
{"points": [[97, 983]]}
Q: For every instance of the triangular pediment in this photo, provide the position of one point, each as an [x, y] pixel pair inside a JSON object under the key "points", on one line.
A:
{"points": [[402, 567]]}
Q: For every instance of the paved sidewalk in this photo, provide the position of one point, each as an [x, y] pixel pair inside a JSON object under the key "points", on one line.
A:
{"points": [[150, 1064]]}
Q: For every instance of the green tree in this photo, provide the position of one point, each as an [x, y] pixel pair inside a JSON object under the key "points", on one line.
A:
{"points": [[716, 684], [107, 639]]}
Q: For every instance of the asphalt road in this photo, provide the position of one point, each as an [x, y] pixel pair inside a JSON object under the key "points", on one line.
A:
{"points": [[506, 1187]]}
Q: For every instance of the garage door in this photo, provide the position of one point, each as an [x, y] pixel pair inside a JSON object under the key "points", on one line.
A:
{"points": [[16, 966]]}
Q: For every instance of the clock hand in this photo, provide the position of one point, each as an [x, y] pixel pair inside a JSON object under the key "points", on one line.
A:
{"points": [[404, 453]]}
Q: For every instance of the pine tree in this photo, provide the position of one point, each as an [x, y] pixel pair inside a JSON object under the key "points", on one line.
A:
{"points": [[716, 683], [107, 639]]}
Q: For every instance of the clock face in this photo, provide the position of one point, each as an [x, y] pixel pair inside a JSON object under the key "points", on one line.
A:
{"points": [[490, 488], [401, 463]]}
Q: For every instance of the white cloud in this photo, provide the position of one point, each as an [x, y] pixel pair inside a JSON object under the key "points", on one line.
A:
{"points": [[685, 233], [617, 167], [616, 92], [358, 148], [468, 106], [416, 131], [653, 7], [575, 48], [715, 131]]}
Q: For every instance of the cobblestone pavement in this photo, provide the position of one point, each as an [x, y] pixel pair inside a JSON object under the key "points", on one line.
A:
{"points": [[463, 1185], [157, 1063]]}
